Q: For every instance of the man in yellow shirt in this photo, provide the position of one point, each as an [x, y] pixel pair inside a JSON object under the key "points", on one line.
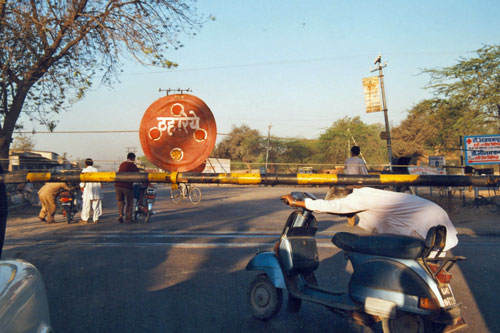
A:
{"points": [[48, 194]]}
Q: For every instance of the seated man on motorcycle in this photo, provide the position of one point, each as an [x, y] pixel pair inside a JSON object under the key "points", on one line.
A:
{"points": [[381, 211]]}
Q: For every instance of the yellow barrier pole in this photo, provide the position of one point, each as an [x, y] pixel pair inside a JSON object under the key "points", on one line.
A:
{"points": [[253, 179]]}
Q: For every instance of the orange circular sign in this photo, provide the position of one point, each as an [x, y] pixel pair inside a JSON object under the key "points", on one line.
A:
{"points": [[178, 132]]}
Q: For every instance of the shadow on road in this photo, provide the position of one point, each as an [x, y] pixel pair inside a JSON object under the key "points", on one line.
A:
{"points": [[144, 286]]}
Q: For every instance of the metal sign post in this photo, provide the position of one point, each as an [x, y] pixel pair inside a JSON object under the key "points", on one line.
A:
{"points": [[376, 101]]}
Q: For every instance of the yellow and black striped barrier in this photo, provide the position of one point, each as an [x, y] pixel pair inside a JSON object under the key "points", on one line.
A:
{"points": [[254, 179]]}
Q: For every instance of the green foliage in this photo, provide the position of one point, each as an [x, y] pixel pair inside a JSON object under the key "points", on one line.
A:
{"points": [[241, 144], [246, 145], [335, 143], [415, 132], [467, 102], [143, 161], [289, 154], [472, 85]]}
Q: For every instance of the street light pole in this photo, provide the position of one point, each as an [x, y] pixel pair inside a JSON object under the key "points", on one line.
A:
{"points": [[268, 142], [378, 61]]}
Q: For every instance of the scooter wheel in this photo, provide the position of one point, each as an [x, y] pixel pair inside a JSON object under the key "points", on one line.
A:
{"points": [[264, 298], [406, 322]]}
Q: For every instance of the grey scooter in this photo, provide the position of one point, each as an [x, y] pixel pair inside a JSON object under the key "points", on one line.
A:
{"points": [[395, 280]]}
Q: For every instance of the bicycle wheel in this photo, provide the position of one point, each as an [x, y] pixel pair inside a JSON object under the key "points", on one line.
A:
{"points": [[195, 195], [176, 195], [495, 204]]}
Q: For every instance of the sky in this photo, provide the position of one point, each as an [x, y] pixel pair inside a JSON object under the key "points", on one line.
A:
{"points": [[294, 65]]}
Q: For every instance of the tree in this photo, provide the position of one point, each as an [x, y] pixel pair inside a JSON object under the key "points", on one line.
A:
{"points": [[241, 144], [293, 152], [473, 85], [148, 165], [434, 126], [335, 143], [24, 142], [51, 50]]}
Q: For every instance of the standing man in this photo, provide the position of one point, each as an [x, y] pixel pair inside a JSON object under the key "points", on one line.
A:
{"points": [[354, 165], [124, 191], [48, 194], [92, 195]]}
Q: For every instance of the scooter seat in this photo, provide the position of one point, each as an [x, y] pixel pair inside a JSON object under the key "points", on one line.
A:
{"points": [[387, 245]]}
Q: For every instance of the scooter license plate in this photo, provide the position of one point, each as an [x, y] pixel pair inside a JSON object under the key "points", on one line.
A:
{"points": [[447, 294]]}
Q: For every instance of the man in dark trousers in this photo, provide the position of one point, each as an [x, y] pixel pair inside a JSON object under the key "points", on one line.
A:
{"points": [[124, 191]]}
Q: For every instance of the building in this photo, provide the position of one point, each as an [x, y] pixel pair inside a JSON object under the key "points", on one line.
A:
{"points": [[20, 160]]}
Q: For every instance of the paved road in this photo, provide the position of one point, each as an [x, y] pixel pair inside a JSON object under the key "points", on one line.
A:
{"points": [[184, 271]]}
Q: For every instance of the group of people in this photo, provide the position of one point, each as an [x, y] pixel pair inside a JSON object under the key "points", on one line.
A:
{"points": [[378, 211], [92, 195]]}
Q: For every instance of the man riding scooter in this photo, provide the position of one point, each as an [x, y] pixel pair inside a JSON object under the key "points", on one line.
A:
{"points": [[400, 276], [387, 212]]}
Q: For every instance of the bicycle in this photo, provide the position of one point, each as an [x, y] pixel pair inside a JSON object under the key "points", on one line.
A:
{"points": [[494, 202], [182, 191]]}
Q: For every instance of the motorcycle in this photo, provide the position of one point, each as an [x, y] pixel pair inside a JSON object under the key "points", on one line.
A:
{"points": [[399, 282], [144, 204], [70, 203]]}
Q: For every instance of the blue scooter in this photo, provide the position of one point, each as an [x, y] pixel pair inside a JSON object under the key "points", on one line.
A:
{"points": [[399, 281]]}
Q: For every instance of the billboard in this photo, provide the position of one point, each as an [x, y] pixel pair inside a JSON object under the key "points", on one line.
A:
{"points": [[482, 149], [426, 170], [372, 94]]}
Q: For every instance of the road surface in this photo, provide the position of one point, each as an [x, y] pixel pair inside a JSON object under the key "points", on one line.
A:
{"points": [[185, 271]]}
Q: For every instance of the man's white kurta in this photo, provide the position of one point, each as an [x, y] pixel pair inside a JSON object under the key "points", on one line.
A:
{"points": [[91, 191], [91, 197], [382, 211]]}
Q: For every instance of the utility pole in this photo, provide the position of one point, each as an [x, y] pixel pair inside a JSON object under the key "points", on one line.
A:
{"points": [[178, 90], [268, 142], [379, 66]]}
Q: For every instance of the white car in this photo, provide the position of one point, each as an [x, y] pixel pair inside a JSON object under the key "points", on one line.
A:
{"points": [[23, 300]]}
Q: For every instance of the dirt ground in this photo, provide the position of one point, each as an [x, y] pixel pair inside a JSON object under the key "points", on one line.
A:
{"points": [[468, 217]]}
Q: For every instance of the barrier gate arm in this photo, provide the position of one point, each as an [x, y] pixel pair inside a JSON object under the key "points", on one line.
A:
{"points": [[253, 179]]}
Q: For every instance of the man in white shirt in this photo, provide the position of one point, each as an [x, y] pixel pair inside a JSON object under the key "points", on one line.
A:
{"points": [[354, 165], [92, 195], [381, 211]]}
